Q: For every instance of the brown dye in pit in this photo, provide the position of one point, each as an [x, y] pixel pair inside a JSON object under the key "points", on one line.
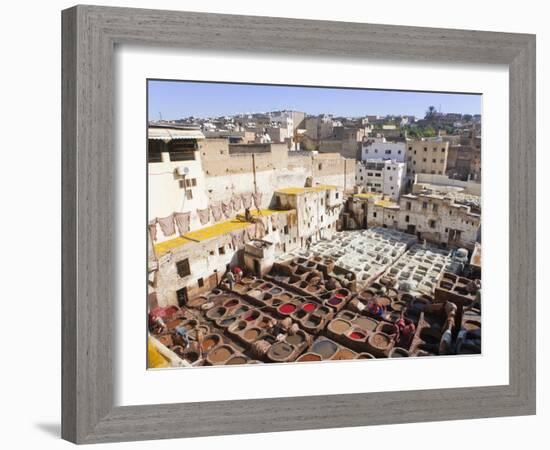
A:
{"points": [[366, 323], [308, 357], [251, 334], [344, 353], [236, 360], [209, 343], [339, 326], [379, 340], [220, 354]]}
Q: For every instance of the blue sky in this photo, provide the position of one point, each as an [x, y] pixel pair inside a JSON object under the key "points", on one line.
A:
{"points": [[177, 99]]}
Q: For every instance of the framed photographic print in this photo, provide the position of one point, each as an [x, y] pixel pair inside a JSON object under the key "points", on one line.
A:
{"points": [[266, 230]]}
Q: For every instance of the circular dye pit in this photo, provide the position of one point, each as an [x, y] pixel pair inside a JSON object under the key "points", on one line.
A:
{"points": [[236, 360], [280, 351], [339, 326], [210, 341], [343, 354], [295, 339], [287, 308], [309, 357], [216, 313], [335, 300], [357, 335], [220, 354], [230, 303], [324, 348], [253, 315], [379, 340], [252, 334], [309, 307]]}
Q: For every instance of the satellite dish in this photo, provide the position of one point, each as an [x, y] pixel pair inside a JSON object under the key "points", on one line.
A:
{"points": [[182, 170]]}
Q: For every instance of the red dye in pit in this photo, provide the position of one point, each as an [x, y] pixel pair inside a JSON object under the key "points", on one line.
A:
{"points": [[287, 308], [308, 307], [356, 335], [249, 318]]}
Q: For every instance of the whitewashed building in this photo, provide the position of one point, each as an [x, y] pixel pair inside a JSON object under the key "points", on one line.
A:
{"points": [[384, 176], [379, 148]]}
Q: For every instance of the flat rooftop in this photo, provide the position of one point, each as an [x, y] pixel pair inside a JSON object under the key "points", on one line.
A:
{"points": [[303, 190], [212, 231]]}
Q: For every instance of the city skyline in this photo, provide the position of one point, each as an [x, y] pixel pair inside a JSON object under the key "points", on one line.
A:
{"points": [[173, 100]]}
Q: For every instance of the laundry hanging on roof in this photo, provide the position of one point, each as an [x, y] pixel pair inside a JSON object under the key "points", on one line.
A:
{"points": [[250, 232], [216, 211], [204, 215], [167, 225], [153, 229], [247, 199], [182, 222], [236, 202], [257, 196], [237, 239], [227, 209]]}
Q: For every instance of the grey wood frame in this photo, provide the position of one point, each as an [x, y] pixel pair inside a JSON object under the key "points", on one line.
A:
{"points": [[90, 34]]}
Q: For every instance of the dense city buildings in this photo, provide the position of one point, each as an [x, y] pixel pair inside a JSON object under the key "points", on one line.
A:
{"points": [[284, 236]]}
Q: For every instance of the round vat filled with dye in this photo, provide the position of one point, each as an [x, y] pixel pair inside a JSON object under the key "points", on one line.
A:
{"points": [[324, 348], [286, 308]]}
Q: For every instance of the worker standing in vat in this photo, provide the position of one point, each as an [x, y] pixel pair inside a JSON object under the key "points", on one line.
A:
{"points": [[181, 337], [375, 308], [237, 271], [229, 279]]}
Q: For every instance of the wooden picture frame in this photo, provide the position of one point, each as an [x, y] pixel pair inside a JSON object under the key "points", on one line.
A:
{"points": [[90, 34]]}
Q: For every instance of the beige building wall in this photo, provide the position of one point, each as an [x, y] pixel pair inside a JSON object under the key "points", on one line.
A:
{"points": [[427, 156]]}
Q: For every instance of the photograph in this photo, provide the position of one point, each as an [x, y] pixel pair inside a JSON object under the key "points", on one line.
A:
{"points": [[290, 224]]}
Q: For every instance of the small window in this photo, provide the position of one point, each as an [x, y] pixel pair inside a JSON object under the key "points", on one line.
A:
{"points": [[434, 160], [320, 166], [388, 152], [423, 159], [337, 195], [398, 152], [424, 205], [443, 150], [189, 194], [183, 268], [425, 149], [407, 218], [285, 229], [200, 282], [408, 205], [193, 181], [432, 223], [373, 214], [221, 250]]}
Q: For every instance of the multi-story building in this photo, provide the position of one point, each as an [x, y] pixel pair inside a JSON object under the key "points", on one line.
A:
{"points": [[384, 176], [379, 148], [427, 155]]}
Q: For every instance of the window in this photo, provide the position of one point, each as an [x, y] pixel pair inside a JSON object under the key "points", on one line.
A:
{"points": [[375, 150], [221, 250], [432, 223], [424, 205], [410, 148], [434, 149], [373, 214], [434, 160], [377, 174], [425, 149], [423, 159], [193, 181], [415, 152], [189, 194], [408, 206], [320, 166], [389, 168], [443, 150], [337, 195], [183, 268], [433, 172], [361, 178], [434, 207], [200, 282], [388, 152], [285, 229], [391, 178], [370, 174], [398, 152], [442, 161], [407, 218]]}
